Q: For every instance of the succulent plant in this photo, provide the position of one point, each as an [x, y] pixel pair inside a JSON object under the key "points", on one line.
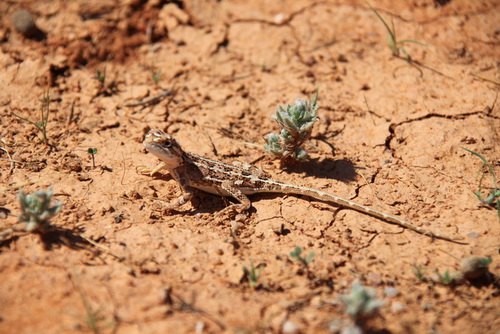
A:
{"points": [[37, 211], [296, 123], [361, 301]]}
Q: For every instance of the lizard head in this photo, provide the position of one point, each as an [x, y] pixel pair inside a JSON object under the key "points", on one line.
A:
{"points": [[164, 147]]}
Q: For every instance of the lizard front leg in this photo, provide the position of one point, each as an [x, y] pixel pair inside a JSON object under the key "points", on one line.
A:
{"points": [[233, 191], [187, 192]]}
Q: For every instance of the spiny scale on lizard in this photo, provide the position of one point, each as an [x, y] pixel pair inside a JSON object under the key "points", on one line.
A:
{"points": [[193, 171]]}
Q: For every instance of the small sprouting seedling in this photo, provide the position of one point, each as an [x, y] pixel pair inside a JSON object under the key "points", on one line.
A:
{"points": [[446, 278], [395, 45], [418, 271], [296, 254], [94, 318], [41, 125], [493, 197], [156, 75], [265, 67], [92, 151], [253, 274], [296, 123], [37, 211], [101, 76], [361, 302]]}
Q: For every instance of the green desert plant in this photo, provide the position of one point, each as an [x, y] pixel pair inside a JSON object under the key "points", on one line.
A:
{"points": [[94, 319], [101, 76], [395, 45], [37, 210], [484, 262], [493, 196], [446, 278], [296, 254], [361, 302], [41, 125], [296, 123], [156, 75], [418, 271], [253, 274]]}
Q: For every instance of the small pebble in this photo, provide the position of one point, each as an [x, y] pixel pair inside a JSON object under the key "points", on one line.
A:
{"points": [[354, 329], [290, 327], [473, 235], [397, 307], [391, 292], [4, 212], [24, 23], [200, 325], [335, 325], [427, 306]]}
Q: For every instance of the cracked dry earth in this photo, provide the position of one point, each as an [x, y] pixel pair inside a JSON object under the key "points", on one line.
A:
{"points": [[390, 136]]}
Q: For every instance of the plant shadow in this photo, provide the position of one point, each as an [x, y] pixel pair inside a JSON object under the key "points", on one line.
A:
{"points": [[343, 170], [60, 236]]}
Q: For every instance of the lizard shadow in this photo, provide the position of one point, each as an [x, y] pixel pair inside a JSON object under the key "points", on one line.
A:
{"points": [[343, 170]]}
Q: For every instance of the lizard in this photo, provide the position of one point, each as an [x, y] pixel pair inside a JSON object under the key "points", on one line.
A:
{"points": [[192, 171]]}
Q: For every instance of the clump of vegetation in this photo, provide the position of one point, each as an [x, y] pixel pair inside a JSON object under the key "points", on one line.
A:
{"points": [[37, 210], [361, 302], [296, 254], [252, 274], [101, 76], [446, 278], [395, 45], [492, 197], [296, 123], [94, 320], [156, 75], [41, 125], [418, 271]]}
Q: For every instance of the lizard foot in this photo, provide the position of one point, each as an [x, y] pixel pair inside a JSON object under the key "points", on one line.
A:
{"points": [[148, 170]]}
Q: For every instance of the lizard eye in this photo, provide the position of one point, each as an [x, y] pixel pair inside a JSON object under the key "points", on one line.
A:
{"points": [[167, 144]]}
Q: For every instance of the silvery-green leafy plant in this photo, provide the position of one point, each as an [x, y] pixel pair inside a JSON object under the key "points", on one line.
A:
{"points": [[37, 210], [361, 302], [296, 123]]}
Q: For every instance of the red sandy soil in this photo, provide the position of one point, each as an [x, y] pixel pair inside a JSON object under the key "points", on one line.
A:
{"points": [[390, 136]]}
